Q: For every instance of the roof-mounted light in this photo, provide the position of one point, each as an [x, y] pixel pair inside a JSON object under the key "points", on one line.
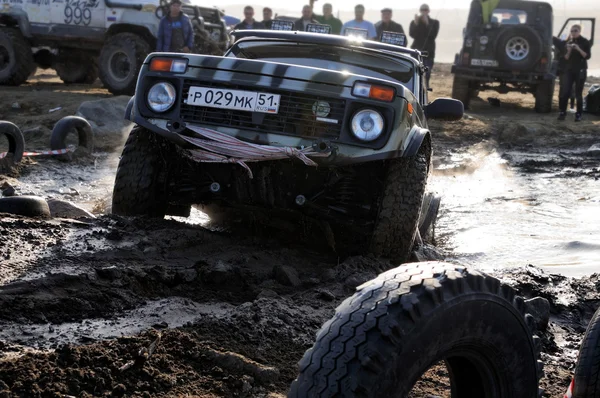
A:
{"points": [[279, 24], [397, 39]]}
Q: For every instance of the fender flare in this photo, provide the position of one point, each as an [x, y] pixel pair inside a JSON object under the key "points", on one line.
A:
{"points": [[20, 17], [415, 141], [129, 109], [64, 126]]}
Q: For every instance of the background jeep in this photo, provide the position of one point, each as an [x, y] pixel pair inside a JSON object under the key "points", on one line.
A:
{"points": [[84, 39], [509, 48]]}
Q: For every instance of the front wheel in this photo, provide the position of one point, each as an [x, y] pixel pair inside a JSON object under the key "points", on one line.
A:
{"points": [[142, 176], [461, 90], [397, 326], [120, 61]]}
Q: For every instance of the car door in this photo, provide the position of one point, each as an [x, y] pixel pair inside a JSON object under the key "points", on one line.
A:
{"points": [[78, 16], [588, 28]]}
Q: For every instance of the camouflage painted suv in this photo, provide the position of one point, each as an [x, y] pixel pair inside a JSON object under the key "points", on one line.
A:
{"points": [[508, 47], [319, 126]]}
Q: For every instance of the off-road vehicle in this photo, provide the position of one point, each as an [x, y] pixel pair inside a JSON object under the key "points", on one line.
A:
{"points": [[82, 39], [302, 124], [509, 48]]}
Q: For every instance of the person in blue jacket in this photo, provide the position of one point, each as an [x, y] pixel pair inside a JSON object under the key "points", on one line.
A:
{"points": [[175, 31]]}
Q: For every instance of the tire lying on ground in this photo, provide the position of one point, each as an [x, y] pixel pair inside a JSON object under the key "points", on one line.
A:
{"points": [[16, 142], [395, 327], [142, 176], [16, 58], [29, 206], [68, 125], [120, 61], [587, 371]]}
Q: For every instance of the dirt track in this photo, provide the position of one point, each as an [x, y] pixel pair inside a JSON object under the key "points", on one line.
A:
{"points": [[231, 312]]}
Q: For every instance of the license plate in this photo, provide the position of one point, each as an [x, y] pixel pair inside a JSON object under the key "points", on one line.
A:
{"points": [[484, 62], [238, 100]]}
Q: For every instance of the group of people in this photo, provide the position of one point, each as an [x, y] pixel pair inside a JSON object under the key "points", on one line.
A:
{"points": [[572, 70], [423, 29]]}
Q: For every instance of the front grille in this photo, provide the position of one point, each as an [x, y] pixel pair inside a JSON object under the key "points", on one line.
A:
{"points": [[295, 115]]}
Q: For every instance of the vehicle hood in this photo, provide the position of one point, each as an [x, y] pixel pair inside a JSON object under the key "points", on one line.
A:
{"points": [[261, 72]]}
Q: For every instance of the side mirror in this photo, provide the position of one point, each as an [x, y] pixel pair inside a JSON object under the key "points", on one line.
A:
{"points": [[445, 109]]}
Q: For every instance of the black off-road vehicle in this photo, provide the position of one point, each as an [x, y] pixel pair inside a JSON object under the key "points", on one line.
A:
{"points": [[327, 127], [509, 48]]}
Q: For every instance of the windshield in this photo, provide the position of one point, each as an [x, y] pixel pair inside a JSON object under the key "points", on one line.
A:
{"points": [[356, 60]]}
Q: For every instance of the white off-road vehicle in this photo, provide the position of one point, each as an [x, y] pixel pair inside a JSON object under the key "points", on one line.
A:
{"points": [[86, 39]]}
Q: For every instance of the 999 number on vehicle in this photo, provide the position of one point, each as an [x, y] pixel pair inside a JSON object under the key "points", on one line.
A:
{"points": [[240, 100]]}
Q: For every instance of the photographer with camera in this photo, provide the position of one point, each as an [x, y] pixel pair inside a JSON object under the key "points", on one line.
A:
{"points": [[578, 51]]}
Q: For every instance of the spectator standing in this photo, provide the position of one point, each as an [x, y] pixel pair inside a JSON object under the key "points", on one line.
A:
{"points": [[359, 23], [328, 19], [249, 22], [175, 31], [424, 31], [267, 18], [307, 18], [578, 52], [387, 24]]}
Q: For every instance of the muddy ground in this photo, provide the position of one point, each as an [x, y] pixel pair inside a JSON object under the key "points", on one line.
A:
{"points": [[115, 306]]}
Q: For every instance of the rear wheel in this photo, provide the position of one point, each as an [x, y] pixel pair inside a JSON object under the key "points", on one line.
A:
{"points": [[78, 68], [544, 95], [120, 62], [461, 90], [16, 58], [142, 176], [397, 326]]}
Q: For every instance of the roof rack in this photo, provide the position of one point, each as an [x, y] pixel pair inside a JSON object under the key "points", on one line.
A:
{"points": [[318, 38]]}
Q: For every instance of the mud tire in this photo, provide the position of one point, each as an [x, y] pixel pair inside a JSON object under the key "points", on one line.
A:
{"points": [[21, 64], [142, 176], [16, 143], [461, 90], [429, 213], [544, 95], [76, 69], [395, 327], [65, 126], [398, 219], [587, 371], [135, 49], [28, 206]]}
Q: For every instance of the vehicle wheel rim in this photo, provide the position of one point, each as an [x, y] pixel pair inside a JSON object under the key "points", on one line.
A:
{"points": [[4, 58], [517, 48], [119, 66]]}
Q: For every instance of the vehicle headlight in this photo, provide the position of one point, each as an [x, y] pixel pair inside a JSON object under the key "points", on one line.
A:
{"points": [[161, 97], [367, 125]]}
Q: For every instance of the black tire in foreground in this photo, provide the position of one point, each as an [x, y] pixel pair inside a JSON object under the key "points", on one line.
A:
{"points": [[68, 125], [587, 371], [398, 218], [544, 95], [16, 58], [120, 61], [78, 68], [16, 141], [397, 326], [142, 176], [29, 206], [461, 90]]}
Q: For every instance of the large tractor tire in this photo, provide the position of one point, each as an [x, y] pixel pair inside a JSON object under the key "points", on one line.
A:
{"points": [[398, 219], [142, 176], [519, 48], [16, 58], [397, 326], [544, 95], [120, 61], [587, 371], [461, 90], [77, 68]]}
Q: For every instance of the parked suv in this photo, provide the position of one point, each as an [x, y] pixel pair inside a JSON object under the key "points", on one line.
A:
{"points": [[509, 48], [84, 39]]}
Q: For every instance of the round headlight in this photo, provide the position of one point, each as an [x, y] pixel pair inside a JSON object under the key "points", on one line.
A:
{"points": [[367, 125], [161, 97]]}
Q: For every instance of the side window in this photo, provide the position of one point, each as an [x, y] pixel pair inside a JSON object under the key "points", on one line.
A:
{"points": [[508, 17]]}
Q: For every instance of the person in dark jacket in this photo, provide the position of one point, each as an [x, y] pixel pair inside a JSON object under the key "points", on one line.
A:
{"points": [[387, 24], [249, 22], [578, 51], [328, 19], [267, 18], [307, 18], [175, 31], [424, 31]]}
